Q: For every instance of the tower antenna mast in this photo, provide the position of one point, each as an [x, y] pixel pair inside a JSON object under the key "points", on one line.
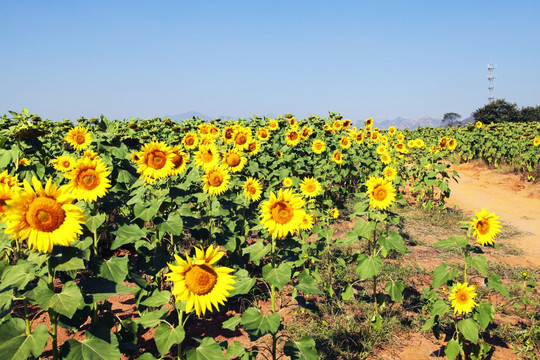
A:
{"points": [[491, 77]]}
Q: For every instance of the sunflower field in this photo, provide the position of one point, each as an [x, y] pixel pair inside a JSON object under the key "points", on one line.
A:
{"points": [[197, 221]]}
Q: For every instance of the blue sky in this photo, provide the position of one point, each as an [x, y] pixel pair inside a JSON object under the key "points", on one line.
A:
{"points": [[381, 59]]}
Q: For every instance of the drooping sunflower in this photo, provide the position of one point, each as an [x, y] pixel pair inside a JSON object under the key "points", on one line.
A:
{"points": [[282, 214], [390, 173], [216, 180], [79, 138], [337, 157], [310, 187], [199, 282], [88, 179], [462, 297], [345, 142], [190, 141], [180, 160], [155, 161], [381, 192], [234, 160], [318, 146], [43, 215], [63, 163], [207, 156], [292, 137], [252, 189], [485, 226]]}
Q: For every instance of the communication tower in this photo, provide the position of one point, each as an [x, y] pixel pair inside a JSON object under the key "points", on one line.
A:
{"points": [[491, 86]]}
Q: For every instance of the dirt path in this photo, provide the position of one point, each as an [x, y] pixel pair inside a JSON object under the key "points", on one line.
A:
{"points": [[516, 202]]}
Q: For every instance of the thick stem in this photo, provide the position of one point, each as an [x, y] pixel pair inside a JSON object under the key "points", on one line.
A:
{"points": [[26, 316], [374, 252], [274, 347], [52, 314], [272, 287], [180, 323]]}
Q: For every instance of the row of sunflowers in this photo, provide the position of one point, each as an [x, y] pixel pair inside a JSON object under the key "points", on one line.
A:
{"points": [[106, 208]]}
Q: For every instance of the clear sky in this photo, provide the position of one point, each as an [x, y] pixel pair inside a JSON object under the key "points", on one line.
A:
{"points": [[381, 59]]}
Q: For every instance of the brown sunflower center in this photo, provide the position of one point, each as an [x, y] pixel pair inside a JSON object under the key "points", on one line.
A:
{"points": [[483, 227], [178, 161], [293, 135], [379, 193], [201, 279], [252, 189], [45, 214], [263, 134], [282, 212], [207, 156], [337, 156], [80, 139], [190, 141], [310, 187], [66, 164], [252, 146], [88, 179], [318, 146], [228, 133], [215, 179], [157, 159], [233, 160], [241, 139], [462, 297]]}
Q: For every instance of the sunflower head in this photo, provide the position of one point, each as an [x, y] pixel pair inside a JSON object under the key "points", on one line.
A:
{"points": [[334, 213], [252, 189], [180, 160], [345, 142], [79, 138], [5, 178], [318, 146], [190, 141], [462, 297], [88, 179], [485, 227], [263, 134], [234, 160], [337, 157], [216, 180], [155, 161], [199, 282], [310, 187], [381, 192], [282, 213]]}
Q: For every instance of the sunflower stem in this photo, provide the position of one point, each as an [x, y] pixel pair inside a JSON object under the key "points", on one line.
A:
{"points": [[274, 347], [180, 323], [374, 252], [26, 316], [52, 314], [466, 251], [272, 287]]}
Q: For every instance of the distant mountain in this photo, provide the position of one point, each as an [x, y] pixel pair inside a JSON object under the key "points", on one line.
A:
{"points": [[402, 123], [468, 120], [188, 115]]}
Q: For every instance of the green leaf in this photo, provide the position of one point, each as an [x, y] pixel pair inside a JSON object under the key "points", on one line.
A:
{"points": [[361, 229], [279, 276], [17, 276], [127, 234], [440, 307], [236, 350], [469, 329], [157, 299], [348, 293], [6, 303], [24, 346], [484, 314], [370, 267], [100, 288], [232, 323], [257, 251], [165, 337], [115, 269], [454, 242], [244, 283], [303, 349], [258, 325], [442, 274], [66, 302], [67, 259], [173, 225], [479, 263], [152, 318], [147, 211], [452, 349], [208, 350], [494, 282], [393, 241], [98, 345], [307, 284], [395, 289], [94, 222]]}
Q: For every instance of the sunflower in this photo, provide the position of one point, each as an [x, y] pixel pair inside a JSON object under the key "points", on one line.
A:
{"points": [[462, 297], [234, 161], [179, 160], [293, 123], [282, 214], [385, 158], [306, 132], [63, 163], [334, 213], [5, 178], [43, 215], [400, 147], [307, 222], [327, 128], [204, 129], [419, 143], [24, 161], [443, 142], [242, 137], [199, 282], [287, 182], [273, 125], [79, 138], [368, 123], [411, 143], [536, 141], [254, 147], [206, 139], [252, 189], [452, 144], [359, 137], [381, 192], [292, 137], [207, 156], [155, 161], [190, 141], [390, 173], [228, 133], [392, 130], [375, 136], [337, 157], [7, 193], [485, 227], [346, 123], [88, 179], [381, 149], [279, 153], [478, 124], [214, 131], [310, 187], [400, 137], [263, 134], [318, 146], [216, 180], [345, 142]]}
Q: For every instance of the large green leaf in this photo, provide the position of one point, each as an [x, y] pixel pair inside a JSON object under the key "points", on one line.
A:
{"points": [[393, 241], [115, 269], [166, 337], [257, 251], [494, 282], [151, 319], [442, 274], [370, 267], [208, 350], [303, 349], [279, 276], [100, 344], [146, 211], [454, 242], [395, 289], [94, 222], [243, 284], [232, 323], [173, 225], [66, 302], [453, 348], [484, 314], [479, 263], [100, 288], [157, 298], [17, 276], [258, 325], [307, 284], [21, 347], [127, 234], [469, 329]]}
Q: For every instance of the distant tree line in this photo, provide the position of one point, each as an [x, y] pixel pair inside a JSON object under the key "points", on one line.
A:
{"points": [[497, 111]]}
